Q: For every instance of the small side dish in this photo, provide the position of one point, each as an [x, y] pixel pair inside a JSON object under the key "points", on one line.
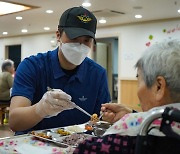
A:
{"points": [[41, 134], [63, 132]]}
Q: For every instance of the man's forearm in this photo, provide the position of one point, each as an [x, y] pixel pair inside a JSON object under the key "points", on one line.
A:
{"points": [[22, 118]]}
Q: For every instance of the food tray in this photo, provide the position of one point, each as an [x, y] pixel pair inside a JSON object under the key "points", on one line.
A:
{"points": [[53, 139], [62, 140]]}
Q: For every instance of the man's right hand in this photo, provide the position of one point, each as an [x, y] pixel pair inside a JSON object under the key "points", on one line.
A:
{"points": [[53, 102], [113, 112]]}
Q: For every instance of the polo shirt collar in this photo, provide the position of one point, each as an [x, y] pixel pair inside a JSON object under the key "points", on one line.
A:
{"points": [[80, 74], [58, 72], [56, 67]]}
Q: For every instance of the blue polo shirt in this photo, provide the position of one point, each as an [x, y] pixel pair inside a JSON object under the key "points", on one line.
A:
{"points": [[87, 86]]}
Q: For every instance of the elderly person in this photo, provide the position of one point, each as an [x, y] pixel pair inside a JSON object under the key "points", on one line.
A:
{"points": [[158, 74], [6, 80]]}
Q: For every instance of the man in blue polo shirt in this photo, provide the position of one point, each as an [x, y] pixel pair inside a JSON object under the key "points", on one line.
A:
{"points": [[67, 70]]}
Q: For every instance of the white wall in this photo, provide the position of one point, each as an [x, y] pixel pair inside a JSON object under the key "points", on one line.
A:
{"points": [[132, 39], [31, 44]]}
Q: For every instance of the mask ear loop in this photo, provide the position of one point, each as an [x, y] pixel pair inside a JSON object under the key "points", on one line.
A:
{"points": [[60, 44], [60, 41]]}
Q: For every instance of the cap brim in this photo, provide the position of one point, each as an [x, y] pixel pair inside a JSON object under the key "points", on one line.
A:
{"points": [[73, 32]]}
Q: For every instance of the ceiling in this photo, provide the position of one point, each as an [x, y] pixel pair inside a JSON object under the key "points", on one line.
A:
{"points": [[116, 12]]}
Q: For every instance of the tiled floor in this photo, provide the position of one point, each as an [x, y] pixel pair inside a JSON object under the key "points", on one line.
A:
{"points": [[5, 131]]}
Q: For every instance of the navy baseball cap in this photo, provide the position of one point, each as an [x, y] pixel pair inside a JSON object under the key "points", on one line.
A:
{"points": [[78, 21]]}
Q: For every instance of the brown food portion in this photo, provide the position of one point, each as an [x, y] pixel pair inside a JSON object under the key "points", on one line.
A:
{"points": [[75, 139], [94, 118], [43, 135], [63, 132]]}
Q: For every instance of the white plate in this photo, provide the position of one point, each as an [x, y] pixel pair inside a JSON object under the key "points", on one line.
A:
{"points": [[76, 128]]}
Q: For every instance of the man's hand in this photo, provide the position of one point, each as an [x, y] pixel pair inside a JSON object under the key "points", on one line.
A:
{"points": [[53, 102]]}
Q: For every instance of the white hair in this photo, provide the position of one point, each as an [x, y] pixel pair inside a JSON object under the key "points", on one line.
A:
{"points": [[6, 63], [162, 59]]}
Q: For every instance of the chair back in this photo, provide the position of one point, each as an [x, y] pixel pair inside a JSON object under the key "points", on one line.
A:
{"points": [[4, 105], [170, 143]]}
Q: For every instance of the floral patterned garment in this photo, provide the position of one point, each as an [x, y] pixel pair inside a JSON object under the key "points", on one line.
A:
{"points": [[130, 123], [120, 138]]}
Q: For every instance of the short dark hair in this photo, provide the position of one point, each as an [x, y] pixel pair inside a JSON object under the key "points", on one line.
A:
{"points": [[60, 29], [7, 63]]}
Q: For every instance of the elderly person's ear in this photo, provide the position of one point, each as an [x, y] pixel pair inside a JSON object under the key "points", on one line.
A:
{"points": [[161, 89]]}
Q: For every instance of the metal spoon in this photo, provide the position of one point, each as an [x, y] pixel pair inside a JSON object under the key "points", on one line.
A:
{"points": [[101, 115], [80, 109]]}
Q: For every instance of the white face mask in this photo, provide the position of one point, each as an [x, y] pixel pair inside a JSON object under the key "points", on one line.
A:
{"points": [[75, 53]]}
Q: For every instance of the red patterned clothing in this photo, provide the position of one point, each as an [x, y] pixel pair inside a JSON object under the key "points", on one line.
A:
{"points": [[114, 144]]}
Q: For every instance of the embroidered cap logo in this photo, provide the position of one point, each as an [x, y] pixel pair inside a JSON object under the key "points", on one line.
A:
{"points": [[84, 18]]}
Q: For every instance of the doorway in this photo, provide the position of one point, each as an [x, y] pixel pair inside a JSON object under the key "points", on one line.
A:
{"points": [[106, 54], [13, 52]]}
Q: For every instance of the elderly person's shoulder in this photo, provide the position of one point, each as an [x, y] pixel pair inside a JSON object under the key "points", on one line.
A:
{"points": [[5, 74], [173, 105], [130, 123]]}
